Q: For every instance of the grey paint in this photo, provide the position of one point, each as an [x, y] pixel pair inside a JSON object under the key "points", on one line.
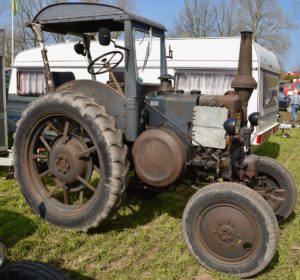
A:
{"points": [[177, 108], [3, 123], [86, 17], [16, 104], [80, 18], [115, 104]]}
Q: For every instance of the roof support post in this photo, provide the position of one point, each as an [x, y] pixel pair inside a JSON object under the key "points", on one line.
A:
{"points": [[37, 29]]}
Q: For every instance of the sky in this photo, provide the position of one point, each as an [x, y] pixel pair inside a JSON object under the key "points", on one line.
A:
{"points": [[164, 11]]}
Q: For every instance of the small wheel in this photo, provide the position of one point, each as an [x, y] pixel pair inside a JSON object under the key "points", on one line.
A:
{"points": [[105, 65], [275, 183], [28, 270], [230, 228], [70, 161]]}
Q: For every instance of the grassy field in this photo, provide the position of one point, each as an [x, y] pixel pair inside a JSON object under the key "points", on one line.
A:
{"points": [[144, 240]]}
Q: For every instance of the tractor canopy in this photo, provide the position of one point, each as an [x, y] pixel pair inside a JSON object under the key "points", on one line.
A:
{"points": [[68, 18]]}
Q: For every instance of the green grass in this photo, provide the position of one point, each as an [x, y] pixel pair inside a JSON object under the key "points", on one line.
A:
{"points": [[144, 240]]}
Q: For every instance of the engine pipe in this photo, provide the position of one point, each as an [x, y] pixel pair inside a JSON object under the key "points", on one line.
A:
{"points": [[244, 83]]}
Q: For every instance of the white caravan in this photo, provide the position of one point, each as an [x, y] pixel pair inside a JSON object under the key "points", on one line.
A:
{"points": [[205, 64]]}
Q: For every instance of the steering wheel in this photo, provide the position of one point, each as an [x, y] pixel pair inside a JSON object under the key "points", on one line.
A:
{"points": [[104, 65]]}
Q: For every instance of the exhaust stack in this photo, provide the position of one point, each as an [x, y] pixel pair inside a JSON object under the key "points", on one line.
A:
{"points": [[244, 83]]}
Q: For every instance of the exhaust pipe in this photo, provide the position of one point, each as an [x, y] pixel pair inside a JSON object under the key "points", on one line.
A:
{"points": [[244, 83]]}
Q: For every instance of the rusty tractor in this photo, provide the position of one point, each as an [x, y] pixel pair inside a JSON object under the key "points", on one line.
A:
{"points": [[74, 146]]}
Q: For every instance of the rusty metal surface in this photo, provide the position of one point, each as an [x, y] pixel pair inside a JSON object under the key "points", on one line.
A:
{"points": [[159, 157], [228, 233], [230, 100], [244, 83]]}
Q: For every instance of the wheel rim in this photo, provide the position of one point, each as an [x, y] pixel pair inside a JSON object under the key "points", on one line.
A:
{"points": [[64, 162], [227, 233], [270, 189]]}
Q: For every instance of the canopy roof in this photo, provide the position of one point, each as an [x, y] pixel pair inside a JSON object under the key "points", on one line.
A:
{"points": [[87, 17]]}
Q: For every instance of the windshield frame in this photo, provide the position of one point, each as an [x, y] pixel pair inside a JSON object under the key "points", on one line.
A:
{"points": [[154, 33]]}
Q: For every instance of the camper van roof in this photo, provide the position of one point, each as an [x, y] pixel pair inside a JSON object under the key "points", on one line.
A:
{"points": [[87, 17]]}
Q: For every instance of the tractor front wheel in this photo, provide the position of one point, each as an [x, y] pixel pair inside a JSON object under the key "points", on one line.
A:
{"points": [[276, 184], [230, 228]]}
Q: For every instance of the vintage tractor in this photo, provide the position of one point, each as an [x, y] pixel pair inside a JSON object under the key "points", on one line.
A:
{"points": [[74, 146]]}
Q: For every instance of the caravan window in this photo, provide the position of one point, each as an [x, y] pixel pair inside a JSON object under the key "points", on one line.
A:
{"points": [[271, 86], [209, 82], [31, 82]]}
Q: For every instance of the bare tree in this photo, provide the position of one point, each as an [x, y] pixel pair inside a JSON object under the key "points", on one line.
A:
{"points": [[24, 37], [268, 22], [127, 5], [196, 18], [225, 18]]}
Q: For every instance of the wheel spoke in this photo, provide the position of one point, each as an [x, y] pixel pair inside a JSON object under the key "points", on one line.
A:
{"points": [[44, 173], [97, 169], [86, 184], [51, 193], [81, 198], [50, 125], [63, 185], [65, 134], [87, 152], [39, 156], [111, 57], [276, 198], [45, 143]]}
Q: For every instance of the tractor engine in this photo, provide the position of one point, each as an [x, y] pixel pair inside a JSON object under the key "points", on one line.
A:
{"points": [[190, 129]]}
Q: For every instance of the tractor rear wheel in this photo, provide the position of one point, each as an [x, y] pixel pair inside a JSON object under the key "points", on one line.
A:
{"points": [[231, 228], [70, 161]]}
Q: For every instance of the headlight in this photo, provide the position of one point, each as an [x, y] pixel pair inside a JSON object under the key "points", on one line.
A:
{"points": [[254, 119], [3, 253], [232, 126]]}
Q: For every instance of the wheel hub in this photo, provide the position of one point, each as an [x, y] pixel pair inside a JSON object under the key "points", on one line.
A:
{"points": [[227, 232], [64, 163]]}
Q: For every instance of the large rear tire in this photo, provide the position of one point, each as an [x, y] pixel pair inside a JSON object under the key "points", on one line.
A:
{"points": [[230, 228], [27, 270], [70, 161]]}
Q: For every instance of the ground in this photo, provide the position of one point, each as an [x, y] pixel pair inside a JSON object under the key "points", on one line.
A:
{"points": [[144, 240]]}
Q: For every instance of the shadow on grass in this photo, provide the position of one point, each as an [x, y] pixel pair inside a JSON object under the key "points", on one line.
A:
{"points": [[289, 220], [14, 227], [269, 149], [139, 210]]}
